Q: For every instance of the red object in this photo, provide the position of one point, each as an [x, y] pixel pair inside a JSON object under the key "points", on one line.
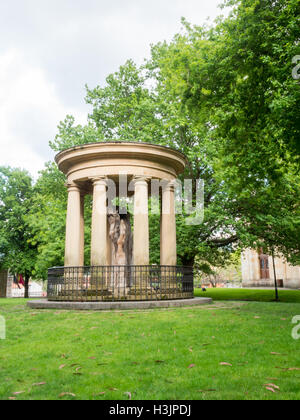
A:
{"points": [[21, 280]]}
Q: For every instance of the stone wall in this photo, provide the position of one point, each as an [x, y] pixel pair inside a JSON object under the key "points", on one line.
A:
{"points": [[250, 267]]}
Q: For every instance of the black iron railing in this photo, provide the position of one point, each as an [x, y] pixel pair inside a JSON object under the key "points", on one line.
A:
{"points": [[119, 283]]}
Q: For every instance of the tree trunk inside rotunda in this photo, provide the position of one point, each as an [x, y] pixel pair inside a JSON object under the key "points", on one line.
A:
{"points": [[121, 252]]}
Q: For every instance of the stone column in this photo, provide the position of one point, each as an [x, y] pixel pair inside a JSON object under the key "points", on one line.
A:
{"points": [[99, 223], [168, 251], [82, 229], [74, 227], [141, 222]]}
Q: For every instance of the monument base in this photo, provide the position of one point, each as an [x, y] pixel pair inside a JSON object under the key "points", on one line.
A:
{"points": [[106, 306]]}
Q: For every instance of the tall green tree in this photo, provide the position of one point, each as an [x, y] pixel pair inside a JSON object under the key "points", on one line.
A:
{"points": [[47, 220], [161, 123], [234, 83], [17, 253], [226, 98]]}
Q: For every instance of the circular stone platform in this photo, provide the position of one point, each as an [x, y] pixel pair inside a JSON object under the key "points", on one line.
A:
{"points": [[105, 306]]}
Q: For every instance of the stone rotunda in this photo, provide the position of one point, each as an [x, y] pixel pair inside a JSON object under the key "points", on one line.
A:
{"points": [[119, 267]]}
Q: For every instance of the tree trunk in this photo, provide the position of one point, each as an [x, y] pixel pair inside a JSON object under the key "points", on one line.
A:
{"points": [[26, 286], [188, 261], [121, 240]]}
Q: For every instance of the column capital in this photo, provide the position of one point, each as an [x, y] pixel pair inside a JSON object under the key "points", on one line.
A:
{"points": [[170, 185], [141, 180], [72, 186], [99, 180]]}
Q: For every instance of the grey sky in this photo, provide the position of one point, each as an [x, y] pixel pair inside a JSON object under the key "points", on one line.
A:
{"points": [[49, 49]]}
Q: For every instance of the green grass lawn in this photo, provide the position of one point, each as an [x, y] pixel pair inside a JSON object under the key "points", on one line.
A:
{"points": [[155, 354], [251, 295]]}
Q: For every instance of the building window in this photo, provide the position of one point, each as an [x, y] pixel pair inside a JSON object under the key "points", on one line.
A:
{"points": [[264, 266]]}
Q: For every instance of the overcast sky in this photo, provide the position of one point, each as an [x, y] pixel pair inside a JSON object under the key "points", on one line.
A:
{"points": [[49, 50]]}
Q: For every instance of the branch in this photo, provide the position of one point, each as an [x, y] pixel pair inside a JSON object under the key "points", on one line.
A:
{"points": [[218, 243]]}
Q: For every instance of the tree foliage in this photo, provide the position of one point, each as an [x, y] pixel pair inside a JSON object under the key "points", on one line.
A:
{"points": [[226, 98], [17, 253], [47, 219]]}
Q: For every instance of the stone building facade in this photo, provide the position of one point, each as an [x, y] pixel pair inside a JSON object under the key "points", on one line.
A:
{"points": [[258, 271]]}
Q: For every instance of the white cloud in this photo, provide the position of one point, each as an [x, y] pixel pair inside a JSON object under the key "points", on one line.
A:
{"points": [[50, 49], [30, 111]]}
